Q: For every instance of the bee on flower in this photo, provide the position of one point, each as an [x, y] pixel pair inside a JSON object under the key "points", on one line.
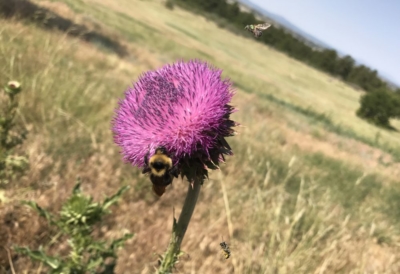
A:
{"points": [[174, 121]]}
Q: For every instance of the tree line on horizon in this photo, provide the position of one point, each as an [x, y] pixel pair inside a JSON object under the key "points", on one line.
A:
{"points": [[380, 103]]}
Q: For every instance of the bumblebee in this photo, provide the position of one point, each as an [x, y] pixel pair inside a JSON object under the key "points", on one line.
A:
{"points": [[225, 250], [257, 30], [161, 169]]}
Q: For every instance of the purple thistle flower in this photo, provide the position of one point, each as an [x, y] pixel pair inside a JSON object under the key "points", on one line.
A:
{"points": [[182, 107]]}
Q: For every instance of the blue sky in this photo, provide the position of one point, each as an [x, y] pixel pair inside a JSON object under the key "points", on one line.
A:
{"points": [[368, 30]]}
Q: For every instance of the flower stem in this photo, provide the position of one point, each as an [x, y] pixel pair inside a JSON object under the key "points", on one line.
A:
{"points": [[179, 228]]}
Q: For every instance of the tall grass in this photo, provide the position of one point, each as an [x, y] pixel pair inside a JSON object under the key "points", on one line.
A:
{"points": [[328, 123], [282, 208]]}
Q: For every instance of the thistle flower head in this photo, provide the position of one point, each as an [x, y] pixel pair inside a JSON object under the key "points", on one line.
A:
{"points": [[182, 107], [12, 88]]}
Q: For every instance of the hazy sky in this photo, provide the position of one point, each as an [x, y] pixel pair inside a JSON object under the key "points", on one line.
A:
{"points": [[368, 30]]}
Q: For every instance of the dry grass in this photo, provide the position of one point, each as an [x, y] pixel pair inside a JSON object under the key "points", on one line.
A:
{"points": [[295, 198]]}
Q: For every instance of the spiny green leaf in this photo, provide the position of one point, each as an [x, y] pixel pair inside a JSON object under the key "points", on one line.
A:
{"points": [[120, 242], [77, 217], [94, 263], [77, 187], [42, 212], [39, 255], [109, 201]]}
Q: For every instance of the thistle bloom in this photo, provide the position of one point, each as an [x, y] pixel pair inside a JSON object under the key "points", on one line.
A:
{"points": [[183, 107]]}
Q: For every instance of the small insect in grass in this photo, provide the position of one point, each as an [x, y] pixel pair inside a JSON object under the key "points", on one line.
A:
{"points": [[225, 250], [258, 29]]}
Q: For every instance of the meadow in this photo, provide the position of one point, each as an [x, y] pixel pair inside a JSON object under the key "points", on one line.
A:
{"points": [[311, 187]]}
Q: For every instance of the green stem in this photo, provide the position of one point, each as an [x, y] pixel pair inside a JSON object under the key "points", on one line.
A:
{"points": [[179, 228]]}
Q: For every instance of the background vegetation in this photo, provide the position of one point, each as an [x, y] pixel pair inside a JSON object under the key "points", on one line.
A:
{"points": [[311, 188], [327, 60]]}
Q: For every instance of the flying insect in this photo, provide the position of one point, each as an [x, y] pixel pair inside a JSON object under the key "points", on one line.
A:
{"points": [[258, 29], [225, 250]]}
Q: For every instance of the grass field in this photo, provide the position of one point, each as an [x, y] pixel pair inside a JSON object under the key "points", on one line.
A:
{"points": [[311, 187]]}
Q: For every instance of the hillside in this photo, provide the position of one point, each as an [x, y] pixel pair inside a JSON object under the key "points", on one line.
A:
{"points": [[311, 188]]}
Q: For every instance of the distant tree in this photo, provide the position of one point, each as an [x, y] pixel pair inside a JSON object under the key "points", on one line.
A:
{"points": [[379, 107], [223, 10], [366, 78], [169, 4], [344, 66], [244, 19], [273, 37], [233, 10], [302, 52], [326, 60], [210, 5]]}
